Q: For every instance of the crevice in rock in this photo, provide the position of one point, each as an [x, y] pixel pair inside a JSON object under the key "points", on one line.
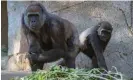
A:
{"points": [[68, 7]]}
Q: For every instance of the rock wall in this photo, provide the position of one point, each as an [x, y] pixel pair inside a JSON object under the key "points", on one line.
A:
{"points": [[119, 51]]}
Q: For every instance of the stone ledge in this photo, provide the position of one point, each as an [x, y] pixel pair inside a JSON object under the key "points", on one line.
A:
{"points": [[8, 75]]}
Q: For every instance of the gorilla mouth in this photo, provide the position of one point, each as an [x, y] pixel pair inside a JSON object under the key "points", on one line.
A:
{"points": [[34, 29], [103, 38]]}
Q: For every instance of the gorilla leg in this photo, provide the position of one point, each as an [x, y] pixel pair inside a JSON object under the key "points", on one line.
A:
{"points": [[37, 65], [94, 62], [70, 62]]}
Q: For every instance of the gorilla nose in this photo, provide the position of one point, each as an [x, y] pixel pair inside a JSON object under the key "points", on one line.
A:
{"points": [[33, 21]]}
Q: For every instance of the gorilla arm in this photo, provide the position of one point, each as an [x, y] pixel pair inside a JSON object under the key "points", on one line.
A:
{"points": [[37, 54], [97, 46]]}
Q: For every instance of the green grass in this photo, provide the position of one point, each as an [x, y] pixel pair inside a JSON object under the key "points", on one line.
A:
{"points": [[61, 73]]}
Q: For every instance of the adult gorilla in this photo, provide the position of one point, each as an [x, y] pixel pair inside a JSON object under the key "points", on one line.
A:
{"points": [[49, 36]]}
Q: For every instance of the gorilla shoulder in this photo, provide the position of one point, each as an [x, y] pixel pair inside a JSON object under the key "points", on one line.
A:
{"points": [[83, 36]]}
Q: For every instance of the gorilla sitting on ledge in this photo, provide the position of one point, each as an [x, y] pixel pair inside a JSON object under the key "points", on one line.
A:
{"points": [[93, 42], [49, 36]]}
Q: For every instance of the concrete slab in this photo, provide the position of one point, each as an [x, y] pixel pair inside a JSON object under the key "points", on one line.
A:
{"points": [[7, 75]]}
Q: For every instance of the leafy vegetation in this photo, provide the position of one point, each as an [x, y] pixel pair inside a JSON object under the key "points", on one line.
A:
{"points": [[61, 73]]}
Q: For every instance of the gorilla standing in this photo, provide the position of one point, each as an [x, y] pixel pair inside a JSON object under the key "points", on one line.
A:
{"points": [[93, 42], [49, 36]]}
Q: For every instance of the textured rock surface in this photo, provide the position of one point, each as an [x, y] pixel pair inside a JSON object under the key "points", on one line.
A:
{"points": [[19, 62], [119, 51], [4, 61]]}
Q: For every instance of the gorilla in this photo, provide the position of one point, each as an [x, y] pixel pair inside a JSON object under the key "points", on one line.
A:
{"points": [[49, 37], [93, 42]]}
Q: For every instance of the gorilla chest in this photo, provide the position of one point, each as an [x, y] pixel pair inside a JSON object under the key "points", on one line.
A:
{"points": [[89, 51], [46, 43]]}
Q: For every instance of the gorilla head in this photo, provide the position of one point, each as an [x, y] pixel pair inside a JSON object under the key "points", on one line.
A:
{"points": [[35, 16], [104, 31]]}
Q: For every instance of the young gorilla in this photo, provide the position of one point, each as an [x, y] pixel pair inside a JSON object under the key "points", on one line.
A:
{"points": [[93, 42], [49, 36]]}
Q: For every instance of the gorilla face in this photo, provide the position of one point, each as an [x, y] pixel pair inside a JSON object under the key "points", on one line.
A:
{"points": [[104, 31], [34, 17]]}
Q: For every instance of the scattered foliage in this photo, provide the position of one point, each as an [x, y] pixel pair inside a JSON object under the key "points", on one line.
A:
{"points": [[62, 73]]}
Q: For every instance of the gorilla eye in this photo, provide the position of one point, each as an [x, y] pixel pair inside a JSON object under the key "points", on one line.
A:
{"points": [[105, 32], [31, 15]]}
